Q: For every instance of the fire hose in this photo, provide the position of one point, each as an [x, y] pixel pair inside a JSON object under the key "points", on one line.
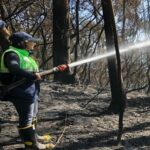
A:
{"points": [[6, 88], [63, 67]]}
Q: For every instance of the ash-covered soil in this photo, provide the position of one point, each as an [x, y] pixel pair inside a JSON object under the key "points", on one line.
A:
{"points": [[77, 115]]}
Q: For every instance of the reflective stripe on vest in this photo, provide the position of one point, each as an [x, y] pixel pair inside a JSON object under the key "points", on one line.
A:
{"points": [[25, 61]]}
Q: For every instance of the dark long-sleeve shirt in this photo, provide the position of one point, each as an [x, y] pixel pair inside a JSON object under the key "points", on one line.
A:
{"points": [[26, 91], [11, 61]]}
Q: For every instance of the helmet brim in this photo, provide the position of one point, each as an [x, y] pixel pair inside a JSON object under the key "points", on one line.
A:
{"points": [[35, 40]]}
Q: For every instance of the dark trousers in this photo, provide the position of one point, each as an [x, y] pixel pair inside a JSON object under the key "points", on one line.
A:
{"points": [[27, 111]]}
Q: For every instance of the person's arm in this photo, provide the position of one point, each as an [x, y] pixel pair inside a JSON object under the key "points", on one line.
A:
{"points": [[11, 61]]}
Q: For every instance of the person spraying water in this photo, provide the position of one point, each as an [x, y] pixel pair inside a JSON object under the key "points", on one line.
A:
{"points": [[64, 67]]}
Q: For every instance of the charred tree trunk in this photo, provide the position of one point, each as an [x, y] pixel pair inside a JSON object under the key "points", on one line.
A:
{"points": [[61, 39], [77, 34], [118, 95], [124, 20]]}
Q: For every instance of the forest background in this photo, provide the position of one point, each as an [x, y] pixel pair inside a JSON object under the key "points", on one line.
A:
{"points": [[85, 36]]}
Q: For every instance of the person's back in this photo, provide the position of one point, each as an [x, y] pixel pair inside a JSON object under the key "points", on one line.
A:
{"points": [[17, 62], [4, 44]]}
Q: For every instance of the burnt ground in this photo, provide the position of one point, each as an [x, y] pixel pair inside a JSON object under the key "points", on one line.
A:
{"points": [[85, 127]]}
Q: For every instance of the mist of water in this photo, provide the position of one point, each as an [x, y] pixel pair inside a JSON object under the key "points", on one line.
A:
{"points": [[136, 46]]}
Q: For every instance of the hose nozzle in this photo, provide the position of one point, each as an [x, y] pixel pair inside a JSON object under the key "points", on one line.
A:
{"points": [[62, 67]]}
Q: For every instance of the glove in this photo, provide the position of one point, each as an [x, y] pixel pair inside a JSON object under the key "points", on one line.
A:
{"points": [[63, 67], [2, 24]]}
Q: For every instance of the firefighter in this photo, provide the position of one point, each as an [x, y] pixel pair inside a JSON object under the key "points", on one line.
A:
{"points": [[4, 42], [18, 63]]}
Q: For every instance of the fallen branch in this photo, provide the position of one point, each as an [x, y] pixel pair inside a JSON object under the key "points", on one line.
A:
{"points": [[61, 136], [137, 89]]}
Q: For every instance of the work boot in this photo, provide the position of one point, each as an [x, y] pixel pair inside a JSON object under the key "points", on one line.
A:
{"points": [[42, 138], [28, 137]]}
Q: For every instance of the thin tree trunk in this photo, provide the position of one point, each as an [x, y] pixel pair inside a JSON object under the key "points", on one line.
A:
{"points": [[118, 95], [124, 20], [77, 34]]}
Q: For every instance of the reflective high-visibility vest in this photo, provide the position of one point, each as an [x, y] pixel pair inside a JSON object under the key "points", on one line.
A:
{"points": [[26, 62]]}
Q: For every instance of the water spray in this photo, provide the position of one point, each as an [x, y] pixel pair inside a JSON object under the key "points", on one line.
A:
{"points": [[64, 67], [108, 54]]}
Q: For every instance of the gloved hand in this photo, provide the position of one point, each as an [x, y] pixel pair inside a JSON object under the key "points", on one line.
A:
{"points": [[37, 76], [62, 67]]}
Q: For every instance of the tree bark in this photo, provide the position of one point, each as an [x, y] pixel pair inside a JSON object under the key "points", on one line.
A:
{"points": [[61, 39], [77, 35], [114, 67], [124, 20], [118, 95]]}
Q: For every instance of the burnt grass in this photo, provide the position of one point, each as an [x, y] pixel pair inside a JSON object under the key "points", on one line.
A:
{"points": [[77, 113]]}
